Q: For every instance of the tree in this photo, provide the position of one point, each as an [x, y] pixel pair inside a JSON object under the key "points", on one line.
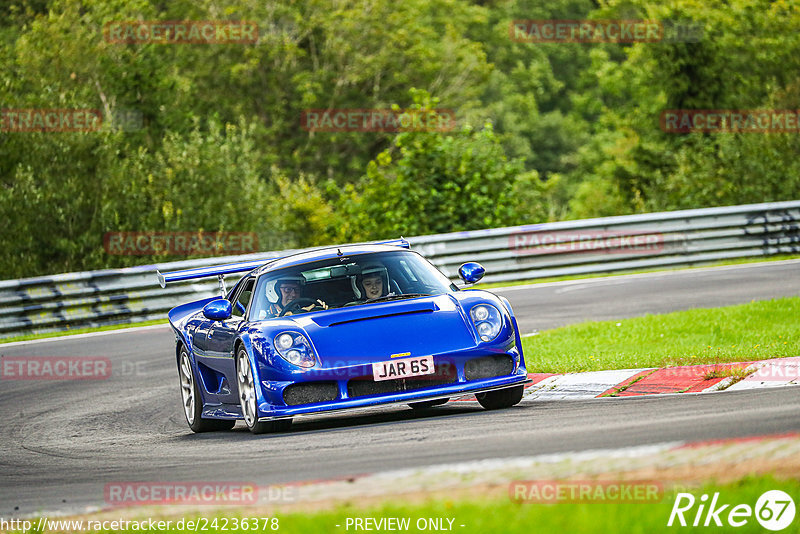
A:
{"points": [[433, 182]]}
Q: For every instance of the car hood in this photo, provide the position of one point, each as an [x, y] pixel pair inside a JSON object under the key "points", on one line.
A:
{"points": [[372, 332]]}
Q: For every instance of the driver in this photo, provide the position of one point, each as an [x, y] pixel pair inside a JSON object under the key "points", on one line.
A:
{"points": [[289, 289]]}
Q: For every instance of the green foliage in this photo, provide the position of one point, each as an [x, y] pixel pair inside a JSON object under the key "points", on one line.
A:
{"points": [[204, 180], [308, 217], [430, 182], [748, 58], [545, 131]]}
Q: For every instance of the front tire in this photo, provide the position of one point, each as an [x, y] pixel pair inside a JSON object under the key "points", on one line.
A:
{"points": [[501, 398], [247, 399], [192, 401]]}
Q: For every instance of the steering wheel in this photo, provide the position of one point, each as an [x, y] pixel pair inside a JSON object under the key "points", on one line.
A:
{"points": [[296, 304]]}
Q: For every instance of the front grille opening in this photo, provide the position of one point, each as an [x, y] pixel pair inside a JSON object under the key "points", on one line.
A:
{"points": [[488, 367], [444, 373], [310, 392]]}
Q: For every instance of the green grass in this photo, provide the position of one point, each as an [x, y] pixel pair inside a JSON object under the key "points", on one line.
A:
{"points": [[499, 514], [753, 331], [721, 263], [739, 372], [503, 515], [28, 337]]}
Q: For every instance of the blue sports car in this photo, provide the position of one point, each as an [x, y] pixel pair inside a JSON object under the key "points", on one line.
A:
{"points": [[341, 328]]}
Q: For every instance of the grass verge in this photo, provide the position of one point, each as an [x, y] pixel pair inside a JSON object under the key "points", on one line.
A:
{"points": [[746, 332], [505, 515], [499, 513]]}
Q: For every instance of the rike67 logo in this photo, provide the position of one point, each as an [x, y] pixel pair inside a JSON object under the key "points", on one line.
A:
{"points": [[774, 510]]}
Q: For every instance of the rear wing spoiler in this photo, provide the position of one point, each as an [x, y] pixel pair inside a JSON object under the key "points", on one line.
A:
{"points": [[230, 268], [211, 270]]}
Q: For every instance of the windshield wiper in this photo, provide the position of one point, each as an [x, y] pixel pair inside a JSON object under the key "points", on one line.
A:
{"points": [[388, 298]]}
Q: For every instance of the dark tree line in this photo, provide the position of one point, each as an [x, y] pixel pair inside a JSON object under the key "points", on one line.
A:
{"points": [[202, 137]]}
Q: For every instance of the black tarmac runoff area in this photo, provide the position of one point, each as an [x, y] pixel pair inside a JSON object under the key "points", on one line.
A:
{"points": [[63, 441]]}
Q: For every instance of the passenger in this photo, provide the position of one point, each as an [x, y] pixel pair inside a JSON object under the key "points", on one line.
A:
{"points": [[372, 283], [373, 286]]}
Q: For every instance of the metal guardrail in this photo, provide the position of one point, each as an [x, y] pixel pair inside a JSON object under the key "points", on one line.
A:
{"points": [[609, 244]]}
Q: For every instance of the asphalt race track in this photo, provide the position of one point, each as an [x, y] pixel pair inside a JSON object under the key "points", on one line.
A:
{"points": [[64, 440]]}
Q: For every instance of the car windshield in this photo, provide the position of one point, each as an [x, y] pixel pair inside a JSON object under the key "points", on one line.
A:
{"points": [[355, 280]]}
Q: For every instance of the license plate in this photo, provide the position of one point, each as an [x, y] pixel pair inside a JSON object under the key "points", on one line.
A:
{"points": [[402, 368]]}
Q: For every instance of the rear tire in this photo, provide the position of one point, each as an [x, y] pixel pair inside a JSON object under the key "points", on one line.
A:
{"points": [[247, 399], [192, 401], [501, 398], [424, 405]]}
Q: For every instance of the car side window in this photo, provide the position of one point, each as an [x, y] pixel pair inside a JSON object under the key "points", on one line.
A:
{"points": [[242, 299]]}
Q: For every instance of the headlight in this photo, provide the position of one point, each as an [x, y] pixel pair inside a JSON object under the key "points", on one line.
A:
{"points": [[284, 341], [487, 321], [480, 313], [295, 349]]}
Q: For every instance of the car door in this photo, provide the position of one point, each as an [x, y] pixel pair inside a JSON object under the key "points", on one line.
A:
{"points": [[218, 356]]}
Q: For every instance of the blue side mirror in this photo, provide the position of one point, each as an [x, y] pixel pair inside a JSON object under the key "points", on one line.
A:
{"points": [[471, 272], [217, 310]]}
